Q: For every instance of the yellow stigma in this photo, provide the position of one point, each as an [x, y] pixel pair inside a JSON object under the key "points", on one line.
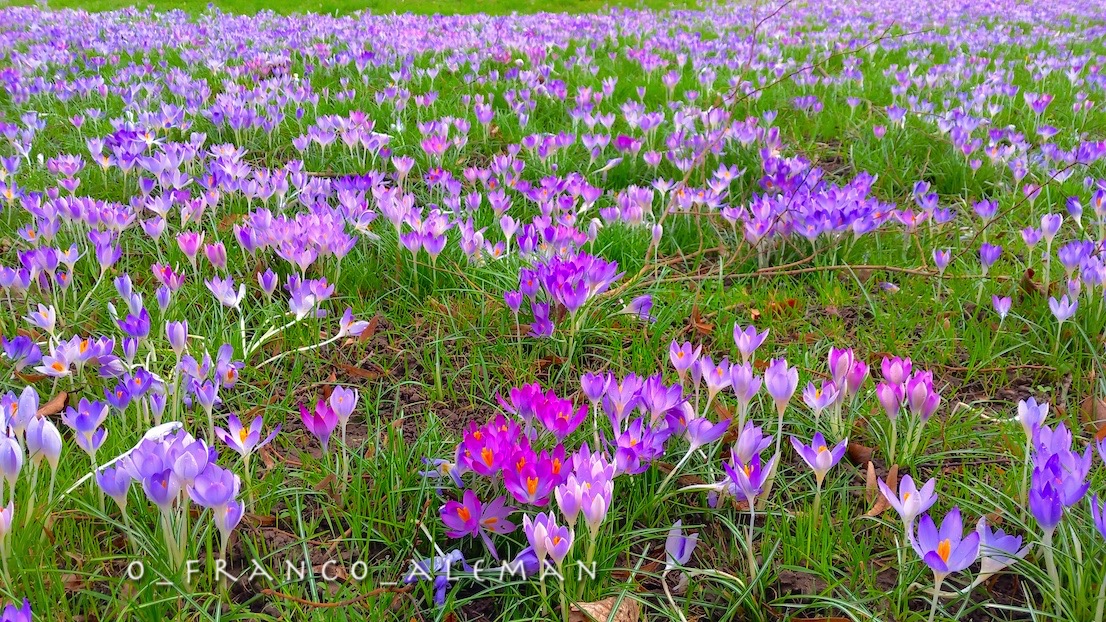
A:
{"points": [[944, 548]]}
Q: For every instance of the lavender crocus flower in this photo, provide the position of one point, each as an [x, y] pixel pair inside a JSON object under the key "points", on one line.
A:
{"points": [[748, 340], [910, 502], [817, 456], [946, 550]]}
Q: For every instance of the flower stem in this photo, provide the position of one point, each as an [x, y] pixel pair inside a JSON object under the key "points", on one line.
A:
{"points": [[675, 469], [936, 593], [1050, 560]]}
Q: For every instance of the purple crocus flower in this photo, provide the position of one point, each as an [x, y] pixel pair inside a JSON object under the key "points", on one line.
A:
{"points": [[817, 456], [320, 421], [1031, 415], [749, 479], [748, 340], [988, 255], [1002, 306], [224, 292], [547, 538], [13, 614], [910, 502], [946, 550], [997, 549], [244, 441], [470, 517], [1062, 309], [162, 489], [683, 358], [1098, 515], [343, 401], [781, 381], [85, 420], [702, 431], [819, 398], [678, 547], [115, 482]]}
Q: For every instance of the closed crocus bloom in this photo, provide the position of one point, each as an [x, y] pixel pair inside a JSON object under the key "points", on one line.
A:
{"points": [[890, 397], [11, 460], [678, 547], [1050, 226], [921, 396], [781, 382], [1031, 415], [177, 335], [344, 402], [896, 370], [840, 364], [26, 409], [856, 377], [115, 482]]}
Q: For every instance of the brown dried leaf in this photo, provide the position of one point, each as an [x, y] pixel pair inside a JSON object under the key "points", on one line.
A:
{"points": [[360, 372], [881, 504], [859, 454], [1093, 411], [697, 323], [1030, 286], [30, 378], [604, 611], [55, 405]]}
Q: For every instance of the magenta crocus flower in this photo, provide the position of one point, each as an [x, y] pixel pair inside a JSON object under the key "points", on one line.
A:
{"points": [[890, 397], [558, 415], [921, 397], [840, 364], [817, 456], [470, 517], [896, 370], [244, 441], [529, 479], [748, 340], [1002, 306], [910, 502], [946, 550], [320, 422]]}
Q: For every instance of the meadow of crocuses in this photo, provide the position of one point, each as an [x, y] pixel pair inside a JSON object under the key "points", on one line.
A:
{"points": [[755, 311]]}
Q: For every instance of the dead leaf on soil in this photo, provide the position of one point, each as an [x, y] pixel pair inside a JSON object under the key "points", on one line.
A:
{"points": [[697, 323], [1030, 286], [859, 454], [880, 502], [1093, 410], [601, 611], [361, 372], [55, 405], [30, 378]]}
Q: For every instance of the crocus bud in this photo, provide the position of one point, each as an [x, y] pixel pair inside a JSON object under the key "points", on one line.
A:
{"points": [[177, 334]]}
